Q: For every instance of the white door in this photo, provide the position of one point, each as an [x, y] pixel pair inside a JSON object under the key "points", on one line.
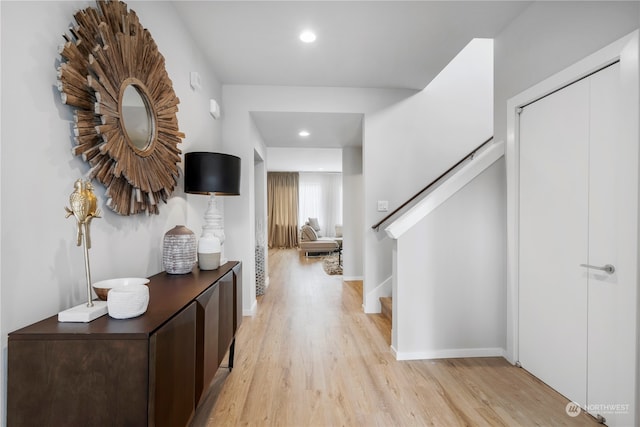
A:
{"points": [[578, 206], [554, 159], [613, 216]]}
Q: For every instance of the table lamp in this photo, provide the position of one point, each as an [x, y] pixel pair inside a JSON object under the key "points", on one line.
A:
{"points": [[214, 174]]}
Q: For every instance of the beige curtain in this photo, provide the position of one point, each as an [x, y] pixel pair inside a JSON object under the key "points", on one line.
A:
{"points": [[282, 209]]}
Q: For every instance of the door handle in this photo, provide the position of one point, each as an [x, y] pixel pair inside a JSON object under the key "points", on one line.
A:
{"points": [[610, 269]]}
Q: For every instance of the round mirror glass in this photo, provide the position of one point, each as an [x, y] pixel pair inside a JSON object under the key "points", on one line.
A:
{"points": [[136, 117]]}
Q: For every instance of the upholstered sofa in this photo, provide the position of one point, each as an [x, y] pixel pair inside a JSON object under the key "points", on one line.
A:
{"points": [[312, 242]]}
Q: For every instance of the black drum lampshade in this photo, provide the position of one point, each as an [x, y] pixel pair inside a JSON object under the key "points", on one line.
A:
{"points": [[206, 173]]}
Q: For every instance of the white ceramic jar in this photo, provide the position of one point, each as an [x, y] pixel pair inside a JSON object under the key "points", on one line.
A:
{"points": [[209, 252]]}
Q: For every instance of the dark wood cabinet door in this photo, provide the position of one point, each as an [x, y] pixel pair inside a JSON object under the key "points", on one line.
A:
{"points": [[208, 304], [77, 382], [226, 311], [237, 289], [172, 369]]}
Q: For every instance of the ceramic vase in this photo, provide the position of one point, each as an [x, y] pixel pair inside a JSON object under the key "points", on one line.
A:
{"points": [[179, 250], [209, 252]]}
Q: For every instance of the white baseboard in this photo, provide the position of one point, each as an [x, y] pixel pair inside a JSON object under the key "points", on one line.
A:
{"points": [[252, 311], [351, 278], [453, 353]]}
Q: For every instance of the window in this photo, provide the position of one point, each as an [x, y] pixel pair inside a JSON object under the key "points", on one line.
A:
{"points": [[320, 196]]}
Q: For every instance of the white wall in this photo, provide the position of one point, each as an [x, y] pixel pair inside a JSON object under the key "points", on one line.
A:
{"points": [[427, 132], [411, 143], [451, 296], [42, 268], [545, 39], [289, 159], [261, 224], [241, 138], [352, 207], [548, 37], [3, 354]]}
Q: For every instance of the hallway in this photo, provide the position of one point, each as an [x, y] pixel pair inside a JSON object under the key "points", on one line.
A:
{"points": [[311, 357]]}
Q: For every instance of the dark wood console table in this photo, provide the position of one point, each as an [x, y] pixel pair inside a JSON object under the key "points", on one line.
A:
{"points": [[151, 370]]}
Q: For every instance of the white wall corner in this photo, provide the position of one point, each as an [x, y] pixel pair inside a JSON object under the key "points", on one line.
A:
{"points": [[252, 311], [394, 351], [372, 299]]}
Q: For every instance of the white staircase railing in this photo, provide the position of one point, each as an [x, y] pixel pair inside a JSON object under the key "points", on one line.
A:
{"points": [[447, 188]]}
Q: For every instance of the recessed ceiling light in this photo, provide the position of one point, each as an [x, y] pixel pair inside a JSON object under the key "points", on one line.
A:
{"points": [[308, 36], [304, 133]]}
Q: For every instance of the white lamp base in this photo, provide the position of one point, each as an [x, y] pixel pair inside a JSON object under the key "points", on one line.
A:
{"points": [[82, 313], [214, 225]]}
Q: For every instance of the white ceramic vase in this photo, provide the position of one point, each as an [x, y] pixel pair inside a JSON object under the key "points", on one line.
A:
{"points": [[209, 252]]}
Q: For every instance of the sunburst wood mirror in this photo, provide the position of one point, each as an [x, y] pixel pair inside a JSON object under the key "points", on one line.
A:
{"points": [[125, 107]]}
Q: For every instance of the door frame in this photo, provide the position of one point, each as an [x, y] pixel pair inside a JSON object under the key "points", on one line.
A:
{"points": [[626, 50]]}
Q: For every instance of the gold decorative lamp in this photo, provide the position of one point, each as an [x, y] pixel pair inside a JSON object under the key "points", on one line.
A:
{"points": [[84, 207], [215, 174]]}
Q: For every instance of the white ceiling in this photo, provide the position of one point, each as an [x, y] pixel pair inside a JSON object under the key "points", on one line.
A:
{"points": [[327, 130], [287, 159], [378, 44]]}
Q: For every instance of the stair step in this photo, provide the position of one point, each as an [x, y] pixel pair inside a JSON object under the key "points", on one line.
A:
{"points": [[387, 309]]}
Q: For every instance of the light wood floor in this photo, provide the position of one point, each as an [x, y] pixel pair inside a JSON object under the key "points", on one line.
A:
{"points": [[311, 357]]}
